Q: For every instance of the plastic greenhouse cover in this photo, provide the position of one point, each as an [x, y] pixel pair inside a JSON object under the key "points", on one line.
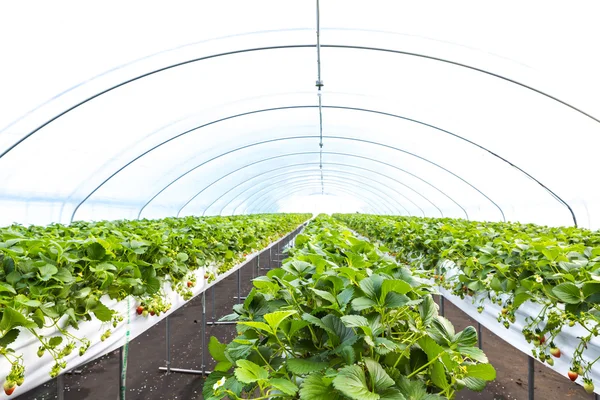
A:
{"points": [[469, 109]]}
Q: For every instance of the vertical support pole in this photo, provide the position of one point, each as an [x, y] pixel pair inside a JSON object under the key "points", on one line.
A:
{"points": [[442, 311], [479, 337], [239, 285], [270, 257], [214, 315], [531, 378], [122, 372], [60, 387], [168, 344], [258, 264], [203, 333]]}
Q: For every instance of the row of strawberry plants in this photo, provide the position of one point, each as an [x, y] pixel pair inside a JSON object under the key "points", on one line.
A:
{"points": [[55, 276], [341, 319], [508, 264]]}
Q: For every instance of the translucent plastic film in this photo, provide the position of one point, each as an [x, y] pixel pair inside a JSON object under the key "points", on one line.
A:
{"points": [[208, 108]]}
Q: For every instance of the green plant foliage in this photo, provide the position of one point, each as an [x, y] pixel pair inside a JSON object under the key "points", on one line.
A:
{"points": [[508, 264], [61, 273], [342, 320]]}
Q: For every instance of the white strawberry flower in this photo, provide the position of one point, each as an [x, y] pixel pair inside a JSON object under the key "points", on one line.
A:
{"points": [[539, 279], [219, 383]]}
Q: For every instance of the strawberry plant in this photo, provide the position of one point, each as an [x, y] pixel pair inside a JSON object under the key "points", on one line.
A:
{"points": [[508, 264], [341, 319], [56, 276]]}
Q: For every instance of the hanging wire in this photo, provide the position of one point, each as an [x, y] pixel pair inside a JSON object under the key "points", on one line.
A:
{"points": [[319, 86]]}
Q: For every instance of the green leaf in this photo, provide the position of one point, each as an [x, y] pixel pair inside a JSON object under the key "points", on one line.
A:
{"points": [[63, 275], [183, 257], [438, 375], [428, 310], [47, 271], [237, 350], [102, 312], [362, 303], [316, 321], [39, 318], [381, 379], [474, 384], [152, 285], [348, 354], [275, 318], [12, 319], [354, 321], [325, 295], [284, 385], [474, 353], [302, 366], [394, 285], [256, 325], [351, 382], [590, 288], [217, 349], [520, 299], [5, 287], [345, 296], [442, 330], [95, 251], [466, 338], [414, 389], [207, 389], [371, 286], [9, 337], [481, 371], [395, 300], [248, 372], [567, 293], [55, 341], [391, 394], [317, 387]]}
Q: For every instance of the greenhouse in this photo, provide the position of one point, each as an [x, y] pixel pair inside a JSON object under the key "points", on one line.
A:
{"points": [[292, 199]]}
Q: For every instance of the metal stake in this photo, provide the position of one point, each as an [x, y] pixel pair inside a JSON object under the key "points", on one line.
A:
{"points": [[214, 315], [442, 305], [122, 372], [168, 342], [203, 331], [479, 338], [60, 387], [239, 285], [531, 379]]}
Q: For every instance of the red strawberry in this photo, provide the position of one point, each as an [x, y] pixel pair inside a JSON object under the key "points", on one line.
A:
{"points": [[9, 387], [139, 310], [152, 312], [555, 351], [572, 375], [542, 339], [190, 284], [205, 276]]}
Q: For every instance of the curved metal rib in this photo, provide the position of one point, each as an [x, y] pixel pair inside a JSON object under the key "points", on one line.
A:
{"points": [[313, 164], [325, 46], [348, 189], [303, 137], [328, 178], [443, 60]]}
